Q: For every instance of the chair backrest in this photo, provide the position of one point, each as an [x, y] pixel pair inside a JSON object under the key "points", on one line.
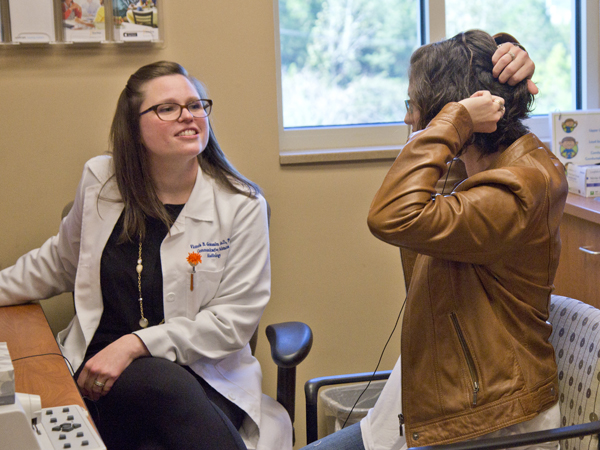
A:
{"points": [[143, 17], [576, 340]]}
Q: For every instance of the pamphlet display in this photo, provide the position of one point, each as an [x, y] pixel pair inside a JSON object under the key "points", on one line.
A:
{"points": [[135, 20], [32, 21], [83, 21], [576, 136]]}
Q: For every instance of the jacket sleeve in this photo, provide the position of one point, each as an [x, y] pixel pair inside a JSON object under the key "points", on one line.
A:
{"points": [[479, 222], [49, 270], [226, 322]]}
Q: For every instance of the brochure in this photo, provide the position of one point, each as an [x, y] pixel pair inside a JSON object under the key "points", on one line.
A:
{"points": [[32, 21], [83, 20], [136, 20]]}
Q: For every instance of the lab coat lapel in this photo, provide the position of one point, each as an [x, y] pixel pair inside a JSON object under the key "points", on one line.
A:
{"points": [[200, 205], [99, 218]]}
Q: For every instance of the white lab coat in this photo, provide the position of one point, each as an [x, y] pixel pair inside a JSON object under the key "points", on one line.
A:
{"points": [[207, 328]]}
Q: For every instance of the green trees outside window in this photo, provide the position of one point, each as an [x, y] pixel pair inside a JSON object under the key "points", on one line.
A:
{"points": [[344, 62], [544, 27]]}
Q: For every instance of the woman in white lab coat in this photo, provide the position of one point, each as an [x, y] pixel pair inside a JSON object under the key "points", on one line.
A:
{"points": [[166, 249]]}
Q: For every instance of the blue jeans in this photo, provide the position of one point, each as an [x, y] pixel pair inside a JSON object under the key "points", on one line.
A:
{"points": [[349, 438]]}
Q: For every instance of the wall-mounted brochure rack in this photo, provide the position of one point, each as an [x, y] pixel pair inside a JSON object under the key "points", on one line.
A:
{"points": [[80, 21]]}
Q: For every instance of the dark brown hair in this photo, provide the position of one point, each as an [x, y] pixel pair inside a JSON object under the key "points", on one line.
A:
{"points": [[454, 69], [132, 170]]}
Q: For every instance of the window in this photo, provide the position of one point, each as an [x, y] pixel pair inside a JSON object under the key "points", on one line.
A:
{"points": [[343, 77], [344, 63], [546, 28]]}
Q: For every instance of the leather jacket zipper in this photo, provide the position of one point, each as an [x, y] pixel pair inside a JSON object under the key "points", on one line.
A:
{"points": [[468, 357]]}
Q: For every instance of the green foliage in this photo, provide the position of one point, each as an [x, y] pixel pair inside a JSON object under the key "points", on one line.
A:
{"points": [[530, 22], [296, 21], [346, 61], [375, 99], [362, 37], [554, 81]]}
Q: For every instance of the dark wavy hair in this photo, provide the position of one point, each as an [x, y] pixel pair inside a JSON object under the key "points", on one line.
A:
{"points": [[454, 69], [132, 170]]}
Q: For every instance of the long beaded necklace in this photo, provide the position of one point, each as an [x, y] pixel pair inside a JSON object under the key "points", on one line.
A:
{"points": [[143, 321]]}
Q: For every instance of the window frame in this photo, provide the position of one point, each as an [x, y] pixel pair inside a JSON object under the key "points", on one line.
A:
{"points": [[384, 141]]}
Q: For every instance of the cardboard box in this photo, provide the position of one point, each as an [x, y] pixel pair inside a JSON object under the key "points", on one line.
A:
{"points": [[7, 377], [584, 180]]}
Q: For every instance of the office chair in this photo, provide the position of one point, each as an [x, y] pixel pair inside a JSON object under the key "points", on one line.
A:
{"points": [[576, 340], [290, 344]]}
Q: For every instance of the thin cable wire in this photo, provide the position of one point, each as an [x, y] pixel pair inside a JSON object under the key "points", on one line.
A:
{"points": [[395, 325], [48, 354], [378, 362], [97, 416], [448, 174]]}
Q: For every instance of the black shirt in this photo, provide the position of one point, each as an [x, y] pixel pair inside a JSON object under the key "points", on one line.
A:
{"points": [[119, 282]]}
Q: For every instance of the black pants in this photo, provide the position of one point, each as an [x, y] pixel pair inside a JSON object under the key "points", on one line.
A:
{"points": [[159, 405]]}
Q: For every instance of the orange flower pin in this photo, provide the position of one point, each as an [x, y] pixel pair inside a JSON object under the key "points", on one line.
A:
{"points": [[193, 260]]}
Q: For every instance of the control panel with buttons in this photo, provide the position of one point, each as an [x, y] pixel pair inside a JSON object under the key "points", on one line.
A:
{"points": [[65, 427]]}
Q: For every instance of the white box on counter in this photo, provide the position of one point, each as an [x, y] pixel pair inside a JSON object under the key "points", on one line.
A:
{"points": [[7, 377], [584, 180]]}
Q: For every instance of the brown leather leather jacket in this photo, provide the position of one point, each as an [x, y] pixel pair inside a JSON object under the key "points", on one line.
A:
{"points": [[475, 350]]}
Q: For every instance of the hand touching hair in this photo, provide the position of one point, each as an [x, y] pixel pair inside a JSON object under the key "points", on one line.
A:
{"points": [[456, 68]]}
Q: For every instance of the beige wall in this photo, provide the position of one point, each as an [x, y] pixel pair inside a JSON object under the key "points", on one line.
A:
{"points": [[56, 105]]}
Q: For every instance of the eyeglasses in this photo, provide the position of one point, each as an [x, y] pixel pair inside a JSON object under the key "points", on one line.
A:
{"points": [[171, 112], [407, 104]]}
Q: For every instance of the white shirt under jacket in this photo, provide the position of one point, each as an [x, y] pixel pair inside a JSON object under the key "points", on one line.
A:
{"points": [[208, 328]]}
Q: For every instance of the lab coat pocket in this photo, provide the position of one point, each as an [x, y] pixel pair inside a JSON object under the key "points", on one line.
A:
{"points": [[202, 289]]}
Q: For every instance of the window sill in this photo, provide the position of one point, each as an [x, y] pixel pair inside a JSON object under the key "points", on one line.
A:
{"points": [[381, 153], [537, 124]]}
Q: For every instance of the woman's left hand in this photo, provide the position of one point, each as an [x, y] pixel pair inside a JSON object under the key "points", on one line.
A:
{"points": [[485, 110], [512, 65], [102, 370]]}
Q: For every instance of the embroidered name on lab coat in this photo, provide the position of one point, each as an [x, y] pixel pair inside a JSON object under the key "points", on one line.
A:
{"points": [[212, 249]]}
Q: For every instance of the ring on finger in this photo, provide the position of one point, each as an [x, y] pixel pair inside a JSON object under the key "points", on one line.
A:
{"points": [[512, 55], [501, 109], [100, 384]]}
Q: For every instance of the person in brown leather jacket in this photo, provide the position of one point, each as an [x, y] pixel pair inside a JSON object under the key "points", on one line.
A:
{"points": [[475, 352]]}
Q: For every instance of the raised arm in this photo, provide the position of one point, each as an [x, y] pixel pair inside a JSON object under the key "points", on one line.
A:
{"points": [[512, 63]]}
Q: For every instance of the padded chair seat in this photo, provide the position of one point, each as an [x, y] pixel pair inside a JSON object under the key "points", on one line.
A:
{"points": [[576, 340]]}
